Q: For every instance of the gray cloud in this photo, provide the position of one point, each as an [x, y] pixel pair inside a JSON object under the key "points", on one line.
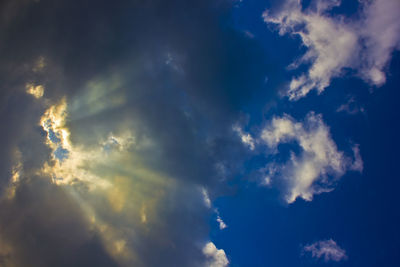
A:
{"points": [[150, 69], [43, 226]]}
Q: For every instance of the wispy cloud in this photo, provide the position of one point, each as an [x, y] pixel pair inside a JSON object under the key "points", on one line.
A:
{"points": [[246, 138], [335, 43], [206, 197], [319, 163], [222, 225], [326, 249], [207, 202], [351, 106]]}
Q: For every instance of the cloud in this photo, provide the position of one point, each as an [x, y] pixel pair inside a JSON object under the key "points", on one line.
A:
{"points": [[381, 30], [326, 249], [317, 166], [335, 43], [206, 197], [36, 90], [120, 139], [42, 223], [358, 164], [222, 224], [246, 138], [120, 208], [351, 106], [122, 197], [216, 257], [208, 204]]}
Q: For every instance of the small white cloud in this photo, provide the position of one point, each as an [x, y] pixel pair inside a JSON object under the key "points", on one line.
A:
{"points": [[215, 257], [326, 249], [318, 165], [222, 224], [267, 180], [206, 197], [246, 138], [335, 43]]}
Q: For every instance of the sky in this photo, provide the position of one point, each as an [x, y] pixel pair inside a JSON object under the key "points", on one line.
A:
{"points": [[206, 133]]}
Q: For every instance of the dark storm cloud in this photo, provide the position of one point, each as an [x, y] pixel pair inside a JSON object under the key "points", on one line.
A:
{"points": [[184, 76], [44, 227], [82, 41], [220, 69], [19, 132]]}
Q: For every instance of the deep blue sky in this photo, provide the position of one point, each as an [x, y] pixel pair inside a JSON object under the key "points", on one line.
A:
{"points": [[362, 213]]}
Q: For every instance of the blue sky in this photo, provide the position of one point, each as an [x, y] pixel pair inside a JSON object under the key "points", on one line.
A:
{"points": [[199, 133], [360, 214]]}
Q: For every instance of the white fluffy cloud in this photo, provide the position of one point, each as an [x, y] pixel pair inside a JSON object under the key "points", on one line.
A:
{"points": [[216, 257], [317, 166], [335, 43], [328, 249]]}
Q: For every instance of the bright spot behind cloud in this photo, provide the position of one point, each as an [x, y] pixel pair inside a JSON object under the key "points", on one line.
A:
{"points": [[109, 180]]}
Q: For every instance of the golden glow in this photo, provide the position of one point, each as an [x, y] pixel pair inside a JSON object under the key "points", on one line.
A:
{"points": [[36, 90], [117, 195], [143, 215], [71, 168], [119, 184], [53, 121]]}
